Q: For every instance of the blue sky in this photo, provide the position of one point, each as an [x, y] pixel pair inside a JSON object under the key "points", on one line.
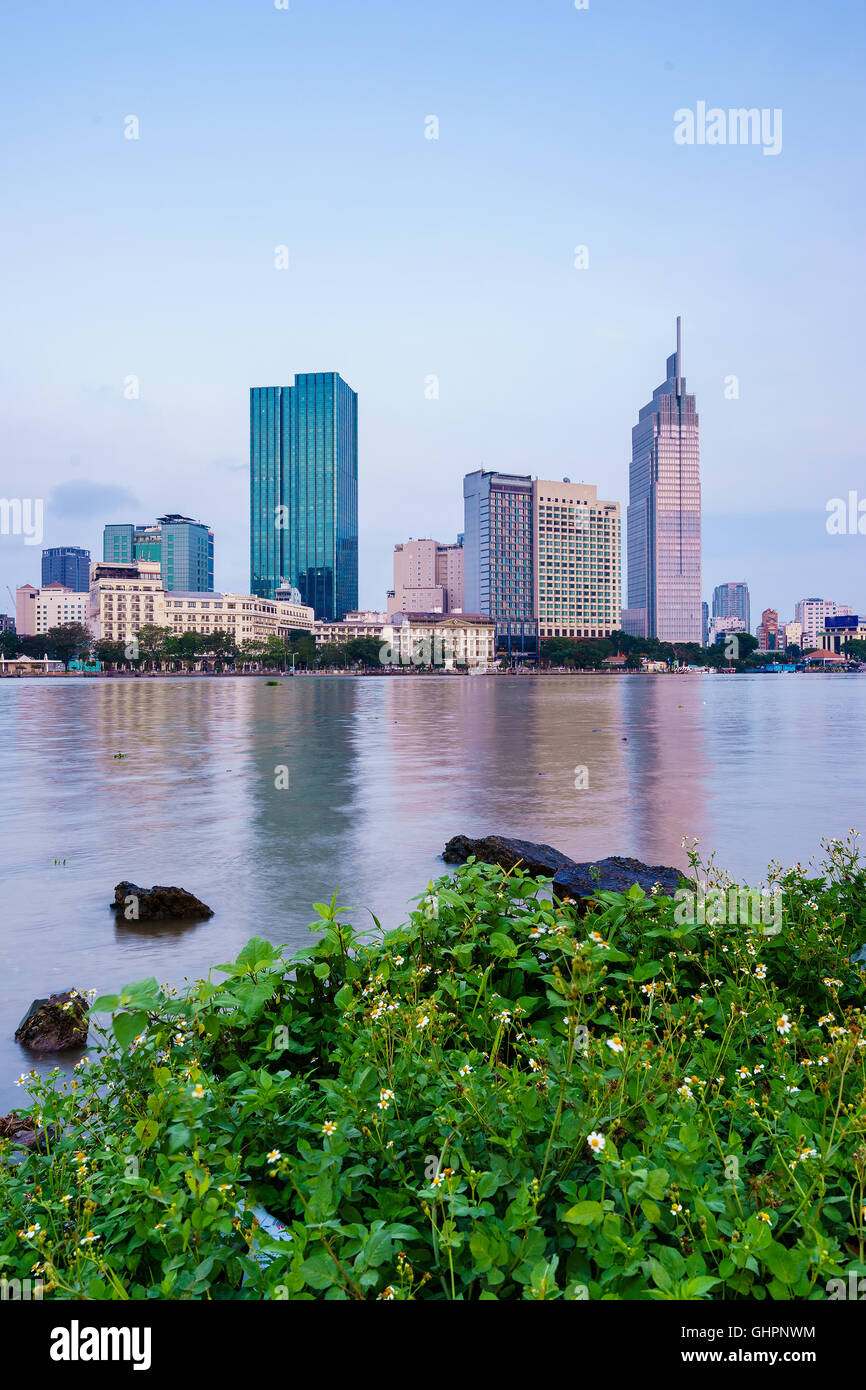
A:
{"points": [[411, 258]]}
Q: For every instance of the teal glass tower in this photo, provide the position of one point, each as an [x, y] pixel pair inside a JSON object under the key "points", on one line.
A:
{"points": [[304, 492]]}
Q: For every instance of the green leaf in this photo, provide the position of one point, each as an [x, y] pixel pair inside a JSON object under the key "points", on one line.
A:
{"points": [[128, 1026], [344, 997], [502, 945], [584, 1213], [105, 1004], [319, 1271]]}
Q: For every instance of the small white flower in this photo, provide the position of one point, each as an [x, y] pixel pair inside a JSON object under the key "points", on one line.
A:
{"points": [[596, 1142]]}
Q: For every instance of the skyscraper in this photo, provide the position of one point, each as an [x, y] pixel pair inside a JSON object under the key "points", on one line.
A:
{"points": [[428, 577], [498, 577], [68, 565], [304, 492], [664, 513], [183, 549], [732, 601]]}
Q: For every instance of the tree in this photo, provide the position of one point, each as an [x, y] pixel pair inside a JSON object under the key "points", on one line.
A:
{"points": [[10, 644], [152, 642], [332, 654], [632, 661], [855, 648], [67, 641], [363, 651], [109, 652], [303, 645]]}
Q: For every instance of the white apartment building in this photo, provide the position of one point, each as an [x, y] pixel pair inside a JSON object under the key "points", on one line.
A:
{"points": [[37, 609], [810, 613], [576, 560]]}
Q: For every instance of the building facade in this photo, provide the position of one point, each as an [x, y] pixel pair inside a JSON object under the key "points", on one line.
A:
{"points": [[575, 561], [770, 634], [183, 548], [304, 492], [812, 613], [68, 565], [38, 609], [731, 600], [839, 629], [720, 628], [428, 576], [664, 513], [498, 548]]}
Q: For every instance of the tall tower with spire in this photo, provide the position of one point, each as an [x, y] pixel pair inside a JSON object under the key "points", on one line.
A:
{"points": [[664, 514]]}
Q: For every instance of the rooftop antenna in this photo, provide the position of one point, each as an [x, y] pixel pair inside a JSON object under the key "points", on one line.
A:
{"points": [[679, 354]]}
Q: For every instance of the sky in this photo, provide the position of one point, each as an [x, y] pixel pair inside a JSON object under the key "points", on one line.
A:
{"points": [[141, 296]]}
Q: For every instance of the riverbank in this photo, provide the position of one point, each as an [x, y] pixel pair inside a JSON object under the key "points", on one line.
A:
{"points": [[494, 1100]]}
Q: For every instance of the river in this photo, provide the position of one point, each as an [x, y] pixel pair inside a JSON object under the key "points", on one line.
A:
{"points": [[381, 771]]}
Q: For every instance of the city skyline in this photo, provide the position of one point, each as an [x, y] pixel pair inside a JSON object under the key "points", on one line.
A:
{"points": [[538, 365]]}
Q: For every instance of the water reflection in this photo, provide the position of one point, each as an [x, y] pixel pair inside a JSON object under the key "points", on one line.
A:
{"points": [[381, 773]]}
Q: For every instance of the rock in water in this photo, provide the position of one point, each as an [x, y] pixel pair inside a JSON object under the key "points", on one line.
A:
{"points": [[616, 875], [55, 1023], [538, 860], [157, 904], [22, 1133]]}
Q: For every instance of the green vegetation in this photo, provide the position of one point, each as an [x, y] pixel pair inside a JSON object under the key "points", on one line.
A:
{"points": [[502, 1099]]}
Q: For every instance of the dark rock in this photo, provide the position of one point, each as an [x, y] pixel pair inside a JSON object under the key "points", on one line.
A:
{"points": [[55, 1023], [22, 1133], [538, 860], [616, 875], [156, 904]]}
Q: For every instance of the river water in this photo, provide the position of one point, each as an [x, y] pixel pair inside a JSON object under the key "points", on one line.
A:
{"points": [[381, 772]]}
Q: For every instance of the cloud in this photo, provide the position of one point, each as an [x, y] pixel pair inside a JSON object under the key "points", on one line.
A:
{"points": [[80, 500]]}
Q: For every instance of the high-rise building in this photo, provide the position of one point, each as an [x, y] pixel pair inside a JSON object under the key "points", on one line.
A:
{"points": [[732, 601], [304, 491], [812, 613], [705, 623], [498, 581], [770, 635], [183, 549], [664, 513], [576, 560], [428, 578], [7, 623], [68, 565]]}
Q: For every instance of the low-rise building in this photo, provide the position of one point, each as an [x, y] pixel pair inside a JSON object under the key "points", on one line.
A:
{"points": [[418, 639], [839, 630], [123, 598], [30, 666]]}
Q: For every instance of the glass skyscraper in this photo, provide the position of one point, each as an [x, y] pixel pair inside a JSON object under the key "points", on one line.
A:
{"points": [[66, 564], [664, 513], [183, 549], [304, 492], [497, 545], [732, 601]]}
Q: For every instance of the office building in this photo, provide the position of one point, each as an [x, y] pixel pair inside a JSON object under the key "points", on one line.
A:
{"points": [[771, 637], [705, 623], [37, 609], [732, 601], [664, 513], [68, 565], [812, 613], [304, 492], [183, 548], [576, 561], [498, 548], [428, 577]]}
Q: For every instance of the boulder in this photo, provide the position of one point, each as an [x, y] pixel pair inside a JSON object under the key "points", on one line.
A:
{"points": [[615, 875], [157, 904], [21, 1132], [538, 860], [55, 1023]]}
